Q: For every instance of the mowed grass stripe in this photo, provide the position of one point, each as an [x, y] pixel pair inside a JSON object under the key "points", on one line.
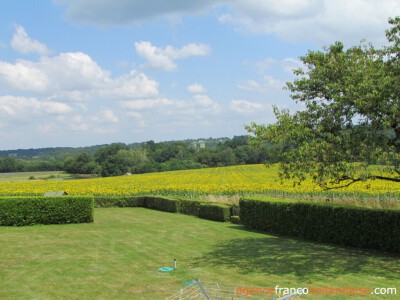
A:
{"points": [[118, 256]]}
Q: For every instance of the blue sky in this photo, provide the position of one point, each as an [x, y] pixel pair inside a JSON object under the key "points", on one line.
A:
{"points": [[80, 73]]}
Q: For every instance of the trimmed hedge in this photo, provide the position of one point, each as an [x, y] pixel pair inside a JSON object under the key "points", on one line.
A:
{"points": [[189, 207], [348, 226], [201, 209], [215, 212], [235, 220], [119, 201], [159, 203], [32, 210]]}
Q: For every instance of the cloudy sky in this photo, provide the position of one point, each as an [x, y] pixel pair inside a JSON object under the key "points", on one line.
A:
{"points": [[79, 73]]}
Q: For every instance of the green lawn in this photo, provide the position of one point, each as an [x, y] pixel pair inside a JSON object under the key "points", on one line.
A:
{"points": [[118, 256]]}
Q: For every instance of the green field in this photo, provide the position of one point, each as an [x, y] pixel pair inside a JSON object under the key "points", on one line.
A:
{"points": [[25, 176], [118, 256]]}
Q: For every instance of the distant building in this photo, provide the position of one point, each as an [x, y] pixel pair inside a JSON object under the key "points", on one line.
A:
{"points": [[199, 145]]}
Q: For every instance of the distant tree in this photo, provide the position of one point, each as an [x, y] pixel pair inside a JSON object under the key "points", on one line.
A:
{"points": [[8, 164], [207, 157], [163, 152], [178, 164], [150, 146], [82, 164], [91, 167], [226, 157], [105, 152], [111, 164], [130, 159], [70, 165], [237, 141], [241, 154], [83, 158]]}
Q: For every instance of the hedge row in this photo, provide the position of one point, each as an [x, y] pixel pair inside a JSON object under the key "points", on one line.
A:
{"points": [[349, 226], [32, 210], [118, 201], [205, 210]]}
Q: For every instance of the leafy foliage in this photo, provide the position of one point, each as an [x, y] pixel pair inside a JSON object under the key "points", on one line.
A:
{"points": [[351, 116]]}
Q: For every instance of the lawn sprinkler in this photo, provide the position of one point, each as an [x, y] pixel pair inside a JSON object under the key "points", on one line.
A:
{"points": [[165, 269], [168, 269]]}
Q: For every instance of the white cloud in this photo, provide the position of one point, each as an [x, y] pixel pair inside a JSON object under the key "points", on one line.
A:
{"points": [[24, 76], [129, 86], [73, 76], [279, 9], [22, 43], [72, 71], [79, 123], [143, 104], [57, 108], [106, 116], [47, 128], [289, 64], [171, 112], [139, 122], [245, 106], [267, 85], [155, 57], [265, 64], [163, 58], [206, 102], [196, 88], [24, 108], [320, 21], [187, 51], [68, 93]]}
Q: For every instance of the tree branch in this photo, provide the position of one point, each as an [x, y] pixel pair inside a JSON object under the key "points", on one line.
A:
{"points": [[385, 178], [354, 180]]}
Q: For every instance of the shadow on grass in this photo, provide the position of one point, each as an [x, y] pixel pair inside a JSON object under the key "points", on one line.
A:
{"points": [[305, 260]]}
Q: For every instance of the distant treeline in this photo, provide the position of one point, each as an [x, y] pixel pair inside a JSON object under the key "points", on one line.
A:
{"points": [[11, 164], [117, 159]]}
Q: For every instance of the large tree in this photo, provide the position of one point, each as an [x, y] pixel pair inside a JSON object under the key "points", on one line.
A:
{"points": [[348, 127]]}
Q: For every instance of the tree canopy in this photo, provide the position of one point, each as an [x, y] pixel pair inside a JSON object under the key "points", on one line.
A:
{"points": [[348, 127]]}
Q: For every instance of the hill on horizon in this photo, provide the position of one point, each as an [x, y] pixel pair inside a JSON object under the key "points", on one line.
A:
{"points": [[57, 153]]}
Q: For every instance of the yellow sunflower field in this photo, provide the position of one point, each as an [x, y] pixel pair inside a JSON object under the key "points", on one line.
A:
{"points": [[241, 180]]}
